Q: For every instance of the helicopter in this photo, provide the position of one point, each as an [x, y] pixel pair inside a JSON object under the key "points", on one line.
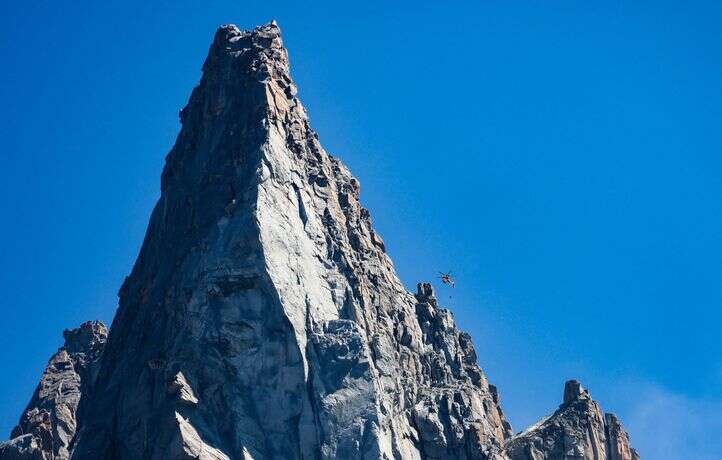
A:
{"points": [[447, 279]]}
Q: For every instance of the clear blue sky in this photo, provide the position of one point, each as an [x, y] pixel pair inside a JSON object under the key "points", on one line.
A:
{"points": [[561, 158]]}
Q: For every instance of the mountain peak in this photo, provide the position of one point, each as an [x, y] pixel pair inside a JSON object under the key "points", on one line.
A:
{"points": [[263, 291], [576, 430], [49, 422], [263, 43], [263, 317]]}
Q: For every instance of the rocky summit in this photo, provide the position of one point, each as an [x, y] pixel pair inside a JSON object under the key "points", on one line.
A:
{"points": [[577, 430], [263, 318]]}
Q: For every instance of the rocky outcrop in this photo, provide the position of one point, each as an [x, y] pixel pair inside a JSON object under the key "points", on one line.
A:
{"points": [[618, 445], [263, 318], [577, 430], [48, 424]]}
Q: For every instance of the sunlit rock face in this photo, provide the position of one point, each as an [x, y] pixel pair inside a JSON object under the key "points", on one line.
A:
{"points": [[263, 318], [577, 430]]}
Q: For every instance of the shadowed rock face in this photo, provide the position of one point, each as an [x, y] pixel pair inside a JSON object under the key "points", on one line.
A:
{"points": [[49, 422], [576, 430], [263, 318]]}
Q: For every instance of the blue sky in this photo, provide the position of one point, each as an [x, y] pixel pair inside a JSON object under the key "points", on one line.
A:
{"points": [[561, 158]]}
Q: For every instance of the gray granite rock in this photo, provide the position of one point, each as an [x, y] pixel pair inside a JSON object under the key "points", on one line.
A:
{"points": [[263, 318], [48, 424], [577, 430]]}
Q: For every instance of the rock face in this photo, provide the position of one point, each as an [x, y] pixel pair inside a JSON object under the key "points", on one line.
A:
{"points": [[263, 318], [576, 430], [48, 424]]}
